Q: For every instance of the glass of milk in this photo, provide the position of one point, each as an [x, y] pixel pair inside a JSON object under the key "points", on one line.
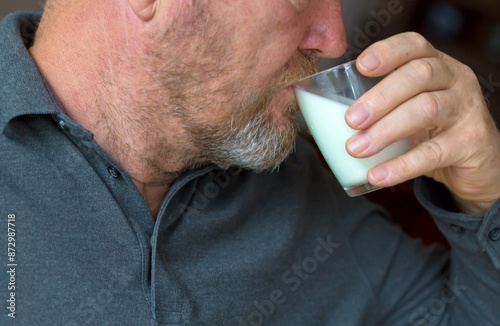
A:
{"points": [[324, 99]]}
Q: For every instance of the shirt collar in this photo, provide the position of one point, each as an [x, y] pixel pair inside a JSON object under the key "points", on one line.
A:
{"points": [[23, 90]]}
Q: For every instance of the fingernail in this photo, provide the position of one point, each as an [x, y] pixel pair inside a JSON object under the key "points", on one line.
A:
{"points": [[357, 114], [369, 61], [358, 143], [379, 173]]}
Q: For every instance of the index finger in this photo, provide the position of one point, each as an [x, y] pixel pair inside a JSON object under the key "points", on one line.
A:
{"points": [[384, 56]]}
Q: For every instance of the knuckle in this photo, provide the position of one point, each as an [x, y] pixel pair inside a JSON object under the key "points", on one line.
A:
{"points": [[405, 167], [433, 152], [429, 105], [418, 40], [426, 157], [467, 71], [422, 69], [466, 77], [384, 130]]}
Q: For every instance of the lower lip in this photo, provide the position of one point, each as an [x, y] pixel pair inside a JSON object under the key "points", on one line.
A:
{"points": [[289, 91]]}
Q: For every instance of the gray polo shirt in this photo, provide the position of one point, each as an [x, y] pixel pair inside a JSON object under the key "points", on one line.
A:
{"points": [[80, 246]]}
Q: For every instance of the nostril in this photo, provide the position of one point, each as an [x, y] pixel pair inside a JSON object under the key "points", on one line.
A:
{"points": [[312, 53], [300, 5]]}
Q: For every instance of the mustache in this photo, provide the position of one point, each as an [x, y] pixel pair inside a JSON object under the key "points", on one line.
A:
{"points": [[296, 68]]}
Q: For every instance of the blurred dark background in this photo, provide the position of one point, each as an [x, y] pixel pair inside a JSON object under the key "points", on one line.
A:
{"points": [[8, 6], [466, 30]]}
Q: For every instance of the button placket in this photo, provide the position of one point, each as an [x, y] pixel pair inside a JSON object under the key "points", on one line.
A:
{"points": [[113, 172], [170, 309], [456, 228], [63, 125]]}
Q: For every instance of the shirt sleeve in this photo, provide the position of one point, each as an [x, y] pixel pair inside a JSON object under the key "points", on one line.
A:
{"points": [[475, 255], [426, 285]]}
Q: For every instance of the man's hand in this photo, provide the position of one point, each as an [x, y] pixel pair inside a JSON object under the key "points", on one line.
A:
{"points": [[437, 102]]}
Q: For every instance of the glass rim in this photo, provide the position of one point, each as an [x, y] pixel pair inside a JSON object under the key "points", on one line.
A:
{"points": [[319, 73]]}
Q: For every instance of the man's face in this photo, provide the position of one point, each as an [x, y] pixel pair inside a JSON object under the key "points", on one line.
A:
{"points": [[225, 69]]}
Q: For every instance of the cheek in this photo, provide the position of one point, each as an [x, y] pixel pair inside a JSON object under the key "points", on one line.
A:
{"points": [[275, 45], [265, 37]]}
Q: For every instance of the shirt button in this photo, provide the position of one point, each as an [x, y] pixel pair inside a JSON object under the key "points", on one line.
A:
{"points": [[113, 172], [63, 125], [457, 229], [494, 234]]}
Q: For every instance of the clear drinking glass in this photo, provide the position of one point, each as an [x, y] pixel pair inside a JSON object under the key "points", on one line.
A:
{"points": [[324, 99]]}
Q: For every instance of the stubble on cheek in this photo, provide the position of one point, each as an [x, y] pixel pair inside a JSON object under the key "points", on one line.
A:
{"points": [[227, 117]]}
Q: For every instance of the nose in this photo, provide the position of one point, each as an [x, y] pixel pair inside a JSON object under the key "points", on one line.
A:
{"points": [[325, 33]]}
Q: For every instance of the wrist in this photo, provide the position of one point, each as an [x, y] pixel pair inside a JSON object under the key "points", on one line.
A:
{"points": [[471, 207]]}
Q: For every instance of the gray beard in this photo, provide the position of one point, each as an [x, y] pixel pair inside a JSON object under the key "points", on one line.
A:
{"points": [[258, 145], [248, 135]]}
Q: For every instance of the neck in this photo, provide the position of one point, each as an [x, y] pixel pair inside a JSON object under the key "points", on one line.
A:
{"points": [[94, 72]]}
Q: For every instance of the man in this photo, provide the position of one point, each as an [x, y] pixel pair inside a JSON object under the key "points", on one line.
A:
{"points": [[132, 136]]}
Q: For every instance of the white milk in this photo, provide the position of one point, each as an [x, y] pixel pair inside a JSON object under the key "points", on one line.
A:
{"points": [[326, 121]]}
